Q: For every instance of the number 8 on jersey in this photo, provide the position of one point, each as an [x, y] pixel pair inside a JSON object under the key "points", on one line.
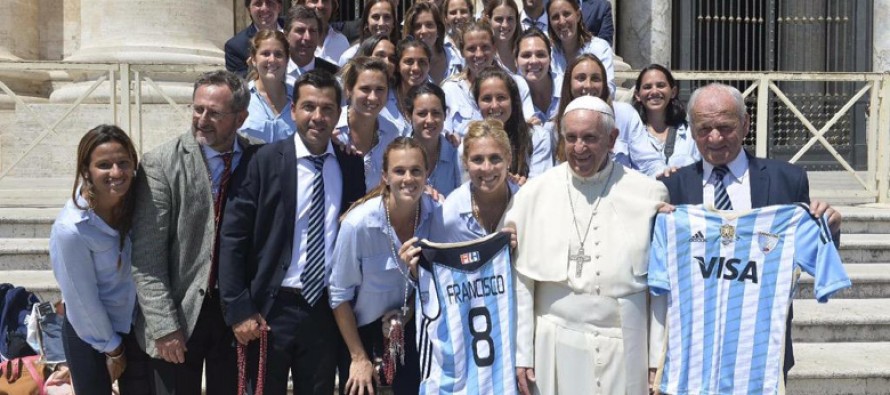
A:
{"points": [[467, 319]]}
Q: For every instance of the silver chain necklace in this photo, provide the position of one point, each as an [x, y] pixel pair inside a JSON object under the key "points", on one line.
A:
{"points": [[580, 257], [392, 241]]}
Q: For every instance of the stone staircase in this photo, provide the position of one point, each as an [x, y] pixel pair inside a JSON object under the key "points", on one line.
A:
{"points": [[842, 347]]}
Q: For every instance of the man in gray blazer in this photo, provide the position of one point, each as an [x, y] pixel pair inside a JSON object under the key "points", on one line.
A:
{"points": [[179, 190]]}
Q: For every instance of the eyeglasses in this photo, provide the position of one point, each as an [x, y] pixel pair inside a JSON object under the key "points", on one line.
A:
{"points": [[586, 140], [198, 111]]}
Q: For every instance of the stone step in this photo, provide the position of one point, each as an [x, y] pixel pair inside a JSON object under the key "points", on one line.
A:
{"points": [[840, 368], [870, 281], [41, 282], [30, 192], [865, 248], [26, 222], [24, 254], [870, 218], [842, 320]]}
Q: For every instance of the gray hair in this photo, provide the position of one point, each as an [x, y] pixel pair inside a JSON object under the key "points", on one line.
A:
{"points": [[606, 121], [240, 92], [716, 86]]}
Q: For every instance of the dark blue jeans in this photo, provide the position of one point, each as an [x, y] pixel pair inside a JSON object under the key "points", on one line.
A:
{"points": [[89, 374]]}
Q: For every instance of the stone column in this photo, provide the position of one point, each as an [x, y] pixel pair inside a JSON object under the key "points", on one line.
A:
{"points": [[150, 31], [643, 32], [20, 41], [18, 30], [881, 40]]}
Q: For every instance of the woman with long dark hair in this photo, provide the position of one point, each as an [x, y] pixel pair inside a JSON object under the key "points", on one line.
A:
{"points": [[477, 46], [503, 16], [586, 75], [425, 106], [90, 254], [571, 39], [379, 19], [533, 61], [424, 22], [498, 98], [656, 100]]}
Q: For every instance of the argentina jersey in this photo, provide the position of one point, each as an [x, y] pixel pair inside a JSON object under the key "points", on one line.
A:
{"points": [[466, 319], [730, 279]]}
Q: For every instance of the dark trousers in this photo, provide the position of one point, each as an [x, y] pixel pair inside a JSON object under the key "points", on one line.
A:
{"points": [[407, 378], [89, 374], [211, 342], [303, 342]]}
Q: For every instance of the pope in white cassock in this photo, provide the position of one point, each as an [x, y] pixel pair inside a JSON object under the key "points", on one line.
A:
{"points": [[585, 323]]}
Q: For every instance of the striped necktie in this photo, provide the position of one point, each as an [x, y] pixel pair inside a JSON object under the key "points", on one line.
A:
{"points": [[721, 198], [313, 274]]}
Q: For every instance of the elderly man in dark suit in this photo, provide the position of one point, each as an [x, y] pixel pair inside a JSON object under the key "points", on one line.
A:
{"points": [[264, 16], [179, 192], [719, 123], [277, 239], [597, 17]]}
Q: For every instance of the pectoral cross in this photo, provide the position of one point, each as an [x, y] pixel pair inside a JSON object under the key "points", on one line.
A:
{"points": [[580, 259]]}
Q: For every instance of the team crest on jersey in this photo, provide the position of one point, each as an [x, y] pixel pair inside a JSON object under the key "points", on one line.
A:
{"points": [[727, 234], [469, 257], [698, 237], [767, 241]]}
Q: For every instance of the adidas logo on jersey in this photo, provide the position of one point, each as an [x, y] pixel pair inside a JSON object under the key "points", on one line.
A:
{"points": [[698, 237]]}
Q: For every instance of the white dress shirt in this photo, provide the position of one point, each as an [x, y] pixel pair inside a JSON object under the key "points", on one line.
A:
{"points": [[542, 22], [333, 191], [335, 43], [737, 182], [294, 71]]}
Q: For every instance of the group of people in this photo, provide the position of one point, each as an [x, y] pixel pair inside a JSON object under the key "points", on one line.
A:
{"points": [[276, 241]]}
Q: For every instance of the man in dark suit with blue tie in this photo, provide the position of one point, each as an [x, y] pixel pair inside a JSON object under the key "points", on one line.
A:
{"points": [[264, 15], [277, 238], [729, 177]]}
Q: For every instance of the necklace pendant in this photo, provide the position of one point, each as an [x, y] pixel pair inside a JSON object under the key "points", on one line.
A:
{"points": [[580, 259], [405, 311]]}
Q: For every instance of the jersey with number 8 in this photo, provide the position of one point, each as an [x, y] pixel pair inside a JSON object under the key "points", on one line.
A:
{"points": [[466, 318]]}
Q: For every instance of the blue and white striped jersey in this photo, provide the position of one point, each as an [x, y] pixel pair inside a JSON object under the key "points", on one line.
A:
{"points": [[466, 321], [730, 280]]}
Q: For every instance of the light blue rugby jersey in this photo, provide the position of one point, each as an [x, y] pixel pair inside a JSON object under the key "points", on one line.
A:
{"points": [[466, 321], [731, 278]]}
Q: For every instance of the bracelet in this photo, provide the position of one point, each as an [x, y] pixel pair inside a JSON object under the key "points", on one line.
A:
{"points": [[115, 357]]}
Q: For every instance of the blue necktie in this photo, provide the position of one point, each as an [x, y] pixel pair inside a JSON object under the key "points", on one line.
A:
{"points": [[721, 198], [313, 274]]}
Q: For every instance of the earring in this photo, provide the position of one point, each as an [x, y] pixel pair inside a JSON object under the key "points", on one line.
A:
{"points": [[91, 195]]}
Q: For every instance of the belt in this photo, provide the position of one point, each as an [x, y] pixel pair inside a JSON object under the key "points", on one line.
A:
{"points": [[289, 290]]}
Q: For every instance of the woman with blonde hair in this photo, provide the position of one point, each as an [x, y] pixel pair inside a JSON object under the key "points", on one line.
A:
{"points": [[269, 115], [477, 207]]}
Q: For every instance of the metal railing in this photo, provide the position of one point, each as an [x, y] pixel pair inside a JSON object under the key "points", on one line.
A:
{"points": [[766, 87], [125, 97]]}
